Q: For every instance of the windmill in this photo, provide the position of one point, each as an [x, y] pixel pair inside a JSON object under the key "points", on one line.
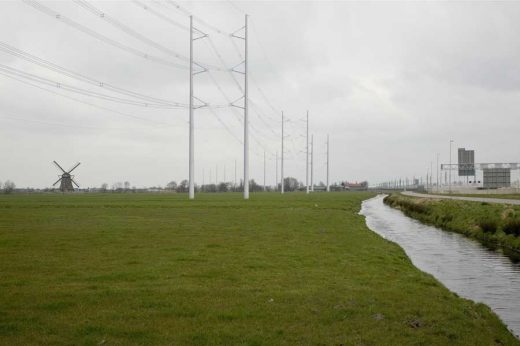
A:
{"points": [[66, 178]]}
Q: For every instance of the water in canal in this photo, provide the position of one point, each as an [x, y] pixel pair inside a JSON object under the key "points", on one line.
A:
{"points": [[461, 264]]}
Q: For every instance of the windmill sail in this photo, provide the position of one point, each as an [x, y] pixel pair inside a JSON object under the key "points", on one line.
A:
{"points": [[66, 179]]}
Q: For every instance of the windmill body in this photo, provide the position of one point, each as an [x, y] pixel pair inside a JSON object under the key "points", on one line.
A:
{"points": [[66, 179]]}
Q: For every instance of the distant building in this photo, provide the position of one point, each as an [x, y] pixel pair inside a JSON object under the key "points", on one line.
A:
{"points": [[497, 177], [466, 163], [362, 186], [320, 188]]}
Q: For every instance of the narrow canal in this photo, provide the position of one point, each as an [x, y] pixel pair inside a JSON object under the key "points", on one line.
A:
{"points": [[461, 264]]}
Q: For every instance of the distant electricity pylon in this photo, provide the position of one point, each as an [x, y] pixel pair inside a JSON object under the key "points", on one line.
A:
{"points": [[312, 163], [282, 184], [245, 107], [328, 165], [191, 188], [307, 156]]}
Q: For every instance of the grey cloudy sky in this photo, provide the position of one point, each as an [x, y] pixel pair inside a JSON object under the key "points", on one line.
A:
{"points": [[391, 82]]}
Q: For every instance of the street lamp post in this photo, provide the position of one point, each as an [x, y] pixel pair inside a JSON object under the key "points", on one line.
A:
{"points": [[437, 169], [449, 184]]}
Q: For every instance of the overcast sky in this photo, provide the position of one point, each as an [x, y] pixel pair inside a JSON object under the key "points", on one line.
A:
{"points": [[391, 82]]}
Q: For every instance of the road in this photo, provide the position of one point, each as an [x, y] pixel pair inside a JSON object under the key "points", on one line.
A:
{"points": [[471, 199]]}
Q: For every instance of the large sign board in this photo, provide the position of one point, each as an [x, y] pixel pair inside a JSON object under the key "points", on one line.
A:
{"points": [[466, 162]]}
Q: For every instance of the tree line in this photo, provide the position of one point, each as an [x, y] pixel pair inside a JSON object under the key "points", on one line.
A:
{"points": [[290, 184]]}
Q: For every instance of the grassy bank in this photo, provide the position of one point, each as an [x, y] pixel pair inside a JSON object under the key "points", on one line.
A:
{"points": [[497, 226], [491, 195], [158, 269]]}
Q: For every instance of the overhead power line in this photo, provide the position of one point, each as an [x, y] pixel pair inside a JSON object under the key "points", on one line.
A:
{"points": [[101, 37], [256, 109], [239, 87], [266, 99], [129, 31], [16, 118], [160, 15], [158, 123], [114, 22], [57, 68], [223, 63], [196, 18], [237, 114], [35, 78], [226, 127]]}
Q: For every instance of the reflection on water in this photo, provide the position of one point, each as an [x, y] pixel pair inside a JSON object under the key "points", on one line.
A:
{"points": [[461, 264]]}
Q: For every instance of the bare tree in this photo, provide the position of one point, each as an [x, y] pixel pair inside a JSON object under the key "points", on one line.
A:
{"points": [[254, 187], [210, 188], [172, 185], [118, 187], [222, 187], [290, 184], [104, 187], [127, 185], [183, 186], [9, 186]]}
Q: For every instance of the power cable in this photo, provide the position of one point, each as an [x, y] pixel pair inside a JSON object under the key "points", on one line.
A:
{"points": [[196, 18], [126, 29], [101, 37], [57, 68], [35, 78], [90, 104], [161, 16], [61, 124]]}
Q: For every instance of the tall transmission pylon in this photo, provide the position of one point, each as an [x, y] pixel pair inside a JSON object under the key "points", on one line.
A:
{"points": [[312, 163], [328, 165], [282, 188], [307, 157], [437, 169], [191, 188], [245, 107]]}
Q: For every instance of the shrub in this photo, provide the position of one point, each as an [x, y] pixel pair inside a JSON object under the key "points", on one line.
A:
{"points": [[488, 225], [419, 208], [444, 220], [512, 226], [412, 206]]}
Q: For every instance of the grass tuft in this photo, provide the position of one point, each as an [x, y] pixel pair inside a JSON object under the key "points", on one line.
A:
{"points": [[512, 226], [488, 225]]}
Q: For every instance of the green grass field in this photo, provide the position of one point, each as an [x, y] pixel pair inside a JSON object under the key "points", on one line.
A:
{"points": [[159, 269]]}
